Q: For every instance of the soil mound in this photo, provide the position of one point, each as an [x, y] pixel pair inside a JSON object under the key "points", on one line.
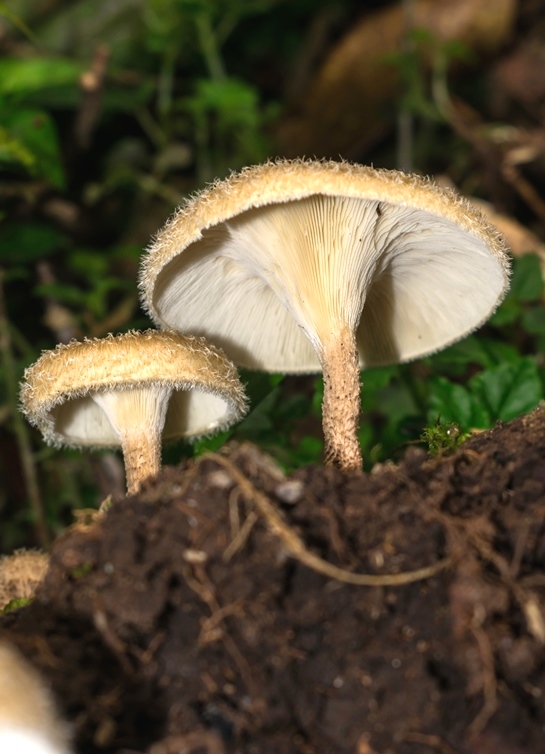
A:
{"points": [[184, 621]]}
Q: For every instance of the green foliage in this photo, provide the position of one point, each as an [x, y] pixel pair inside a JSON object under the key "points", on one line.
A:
{"points": [[93, 288], [89, 172], [24, 243], [22, 78], [500, 393], [28, 138], [423, 65], [227, 119]]}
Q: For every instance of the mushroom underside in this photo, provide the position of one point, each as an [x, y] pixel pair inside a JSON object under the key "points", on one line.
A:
{"points": [[190, 413], [409, 282]]}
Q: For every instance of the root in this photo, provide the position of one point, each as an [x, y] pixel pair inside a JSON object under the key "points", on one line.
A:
{"points": [[433, 742], [212, 630], [299, 550], [490, 684]]}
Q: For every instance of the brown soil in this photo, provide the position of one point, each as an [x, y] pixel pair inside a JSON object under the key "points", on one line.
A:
{"points": [[182, 622]]}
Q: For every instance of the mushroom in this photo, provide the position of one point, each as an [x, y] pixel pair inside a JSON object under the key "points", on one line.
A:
{"points": [[131, 390], [29, 723], [295, 265], [20, 575]]}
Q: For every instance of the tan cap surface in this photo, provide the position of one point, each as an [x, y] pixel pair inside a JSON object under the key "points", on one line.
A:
{"points": [[56, 394], [20, 574]]}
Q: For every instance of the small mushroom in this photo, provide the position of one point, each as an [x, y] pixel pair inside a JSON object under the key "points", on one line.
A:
{"points": [[132, 390], [20, 575], [29, 723], [296, 265]]}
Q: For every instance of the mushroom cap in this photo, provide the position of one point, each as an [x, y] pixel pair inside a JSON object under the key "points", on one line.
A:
{"points": [[289, 249], [29, 722], [207, 395], [20, 574]]}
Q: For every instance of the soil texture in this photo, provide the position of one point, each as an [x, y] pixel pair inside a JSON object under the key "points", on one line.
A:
{"points": [[209, 614]]}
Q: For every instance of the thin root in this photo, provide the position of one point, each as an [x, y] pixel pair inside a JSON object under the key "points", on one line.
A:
{"points": [[433, 742], [299, 550], [239, 541]]}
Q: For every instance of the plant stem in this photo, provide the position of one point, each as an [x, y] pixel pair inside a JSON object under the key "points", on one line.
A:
{"points": [[405, 120], [166, 83], [209, 46], [19, 426]]}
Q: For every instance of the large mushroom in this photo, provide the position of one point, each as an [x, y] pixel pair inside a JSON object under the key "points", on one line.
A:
{"points": [[132, 390], [295, 265]]}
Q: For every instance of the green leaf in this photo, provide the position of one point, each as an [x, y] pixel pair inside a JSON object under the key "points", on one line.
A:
{"points": [[96, 299], [67, 294], [24, 76], [486, 352], [259, 384], [533, 320], [527, 281], [499, 352], [23, 243], [12, 150], [89, 263], [309, 450], [235, 102], [373, 381], [38, 146], [259, 418], [378, 377], [211, 444], [507, 313], [467, 351], [396, 401], [454, 403], [509, 390]]}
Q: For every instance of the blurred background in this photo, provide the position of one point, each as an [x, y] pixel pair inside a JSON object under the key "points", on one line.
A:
{"points": [[113, 111]]}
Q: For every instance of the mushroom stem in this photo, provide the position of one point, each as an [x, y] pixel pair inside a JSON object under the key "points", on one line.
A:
{"points": [[341, 402], [138, 416], [142, 457]]}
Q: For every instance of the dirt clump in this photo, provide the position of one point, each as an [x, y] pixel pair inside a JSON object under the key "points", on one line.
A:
{"points": [[184, 622]]}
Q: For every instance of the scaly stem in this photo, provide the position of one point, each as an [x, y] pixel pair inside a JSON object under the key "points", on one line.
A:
{"points": [[142, 457], [341, 403], [137, 415]]}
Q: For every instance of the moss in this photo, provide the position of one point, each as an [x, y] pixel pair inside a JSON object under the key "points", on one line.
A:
{"points": [[16, 603], [443, 438]]}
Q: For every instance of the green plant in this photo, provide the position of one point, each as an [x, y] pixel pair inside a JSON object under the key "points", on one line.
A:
{"points": [[443, 438], [88, 174]]}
